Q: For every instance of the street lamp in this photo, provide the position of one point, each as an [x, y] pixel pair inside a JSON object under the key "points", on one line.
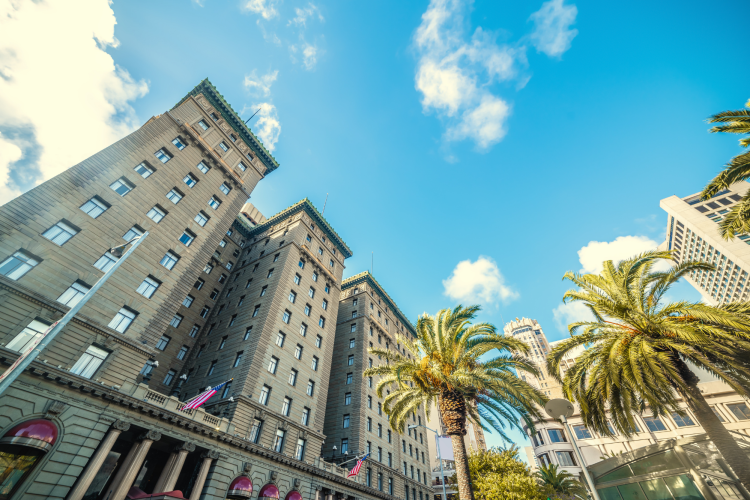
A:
{"points": [[562, 409], [25, 359], [437, 445]]}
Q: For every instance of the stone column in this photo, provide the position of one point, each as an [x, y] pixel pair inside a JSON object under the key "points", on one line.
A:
{"points": [[121, 470], [130, 470], [95, 462], [172, 468], [208, 457]]}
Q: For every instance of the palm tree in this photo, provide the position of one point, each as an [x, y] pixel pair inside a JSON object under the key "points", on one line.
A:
{"points": [[563, 482], [737, 221], [643, 352], [444, 367]]}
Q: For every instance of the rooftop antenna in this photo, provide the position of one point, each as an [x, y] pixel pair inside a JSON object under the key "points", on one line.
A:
{"points": [[324, 204], [252, 116]]}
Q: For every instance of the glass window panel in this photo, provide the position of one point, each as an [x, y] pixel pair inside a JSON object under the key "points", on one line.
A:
{"points": [[656, 490], [610, 493], [23, 340], [656, 463], [631, 492], [89, 362], [621, 473], [683, 488]]}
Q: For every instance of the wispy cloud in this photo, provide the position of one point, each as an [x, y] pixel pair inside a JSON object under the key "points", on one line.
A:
{"points": [[265, 8], [35, 78], [260, 85], [305, 53], [303, 14], [268, 126], [478, 282], [552, 34]]}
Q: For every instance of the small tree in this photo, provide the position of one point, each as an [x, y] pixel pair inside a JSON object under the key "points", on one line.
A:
{"points": [[561, 481], [498, 474]]}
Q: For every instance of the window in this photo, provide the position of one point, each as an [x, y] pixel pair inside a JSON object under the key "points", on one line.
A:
{"points": [[310, 387], [247, 285], [122, 186], [389, 440], [247, 332], [565, 458], [18, 264], [214, 203], [224, 188], [303, 330], [293, 377], [278, 444], [214, 294], [60, 233], [169, 260], [349, 377], [133, 232], [352, 343], [94, 207], [318, 341], [353, 327], [163, 156], [307, 309], [286, 317], [223, 146], [350, 361], [314, 363], [242, 166], [183, 352], [407, 489], [270, 273], [390, 479], [229, 265], [208, 268], [273, 364], [380, 476], [202, 219], [330, 263], [344, 445], [325, 305], [380, 411], [174, 196], [226, 389], [292, 296], [557, 436], [305, 416], [255, 430], [682, 421], [739, 410], [322, 322], [299, 453], [28, 335], [143, 170], [178, 143], [204, 311], [231, 321], [148, 287], [718, 414], [156, 214], [163, 341], [369, 424], [346, 421], [122, 319], [315, 276], [654, 424], [190, 180], [222, 278], [311, 292], [320, 251], [298, 351], [188, 301], [89, 362], [280, 339], [369, 382], [264, 393], [327, 289], [73, 294], [347, 399], [256, 310], [296, 279], [581, 432], [286, 406]]}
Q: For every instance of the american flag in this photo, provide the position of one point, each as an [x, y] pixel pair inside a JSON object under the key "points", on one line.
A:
{"points": [[356, 468], [201, 398]]}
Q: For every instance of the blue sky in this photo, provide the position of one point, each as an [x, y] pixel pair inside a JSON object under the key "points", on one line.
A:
{"points": [[473, 148]]}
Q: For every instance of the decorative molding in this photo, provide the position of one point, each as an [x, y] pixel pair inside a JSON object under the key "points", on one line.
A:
{"points": [[212, 454], [54, 409], [247, 467], [121, 426], [274, 476], [150, 435], [186, 446]]}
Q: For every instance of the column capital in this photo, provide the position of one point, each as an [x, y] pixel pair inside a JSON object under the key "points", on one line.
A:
{"points": [[212, 454], [189, 447], [121, 426], [150, 435]]}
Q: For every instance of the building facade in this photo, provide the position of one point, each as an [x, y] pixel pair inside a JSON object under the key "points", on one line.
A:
{"points": [[693, 234], [204, 298]]}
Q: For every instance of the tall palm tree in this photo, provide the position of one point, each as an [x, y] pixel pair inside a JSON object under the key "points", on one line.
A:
{"points": [[643, 351], [737, 221], [563, 482], [444, 367]]}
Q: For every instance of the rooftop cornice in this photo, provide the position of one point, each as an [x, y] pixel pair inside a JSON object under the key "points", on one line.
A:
{"points": [[369, 278], [233, 119], [304, 205]]}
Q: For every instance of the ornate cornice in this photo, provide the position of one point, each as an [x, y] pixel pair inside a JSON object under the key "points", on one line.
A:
{"points": [[366, 277], [233, 119]]}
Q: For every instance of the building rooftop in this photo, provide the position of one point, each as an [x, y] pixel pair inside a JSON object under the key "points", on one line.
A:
{"points": [[233, 119], [367, 277]]}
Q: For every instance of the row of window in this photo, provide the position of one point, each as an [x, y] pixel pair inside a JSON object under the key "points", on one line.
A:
{"points": [[278, 444]]}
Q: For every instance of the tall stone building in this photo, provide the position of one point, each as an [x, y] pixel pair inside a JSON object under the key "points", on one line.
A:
{"points": [[355, 422], [97, 415]]}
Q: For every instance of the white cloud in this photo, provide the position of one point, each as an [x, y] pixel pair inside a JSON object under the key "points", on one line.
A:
{"points": [[260, 84], [552, 34], [310, 54], [454, 73], [303, 14], [266, 8], [478, 282], [571, 312], [59, 88], [593, 255], [268, 127]]}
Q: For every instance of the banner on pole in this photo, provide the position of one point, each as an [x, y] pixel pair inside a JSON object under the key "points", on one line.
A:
{"points": [[446, 448]]}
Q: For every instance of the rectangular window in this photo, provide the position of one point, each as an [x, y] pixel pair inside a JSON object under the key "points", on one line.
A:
{"points": [[201, 218], [224, 188], [170, 377], [174, 196], [144, 170], [318, 341], [353, 327], [122, 186], [307, 309], [273, 364], [325, 305], [255, 430], [292, 297], [344, 445], [305, 416], [18, 264], [73, 294], [286, 406], [214, 203], [247, 332], [122, 320], [169, 260], [163, 342], [148, 287], [156, 214], [352, 343], [208, 268], [60, 233], [242, 166], [280, 339], [314, 363], [226, 389], [739, 410], [350, 361], [315, 276], [347, 398], [190, 180], [270, 273], [183, 352], [23, 340], [133, 232], [286, 317], [345, 423], [654, 424], [301, 264], [89, 362], [582, 432], [163, 156], [222, 278], [278, 445], [94, 207], [276, 257], [303, 330], [178, 143], [311, 292], [298, 351], [194, 330], [231, 321], [557, 436], [299, 453], [188, 301], [187, 238], [718, 414], [682, 421], [296, 279], [293, 377], [565, 458], [223, 146], [264, 393], [310, 387], [202, 124], [349, 378], [322, 322], [204, 311], [256, 310]]}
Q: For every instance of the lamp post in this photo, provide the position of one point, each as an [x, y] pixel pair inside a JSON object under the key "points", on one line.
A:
{"points": [[23, 361], [437, 445], [562, 409]]}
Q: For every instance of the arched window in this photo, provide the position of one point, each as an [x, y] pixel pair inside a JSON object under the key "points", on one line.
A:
{"points": [[21, 448], [293, 495], [241, 487], [269, 492]]}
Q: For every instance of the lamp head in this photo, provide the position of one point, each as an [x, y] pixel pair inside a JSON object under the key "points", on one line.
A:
{"points": [[118, 251], [413, 426], [558, 408]]}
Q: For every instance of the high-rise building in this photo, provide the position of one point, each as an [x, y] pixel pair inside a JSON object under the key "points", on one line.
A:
{"points": [[530, 332], [355, 421], [693, 234], [99, 414]]}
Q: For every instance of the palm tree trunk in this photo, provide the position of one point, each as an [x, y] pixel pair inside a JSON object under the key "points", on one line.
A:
{"points": [[453, 413], [462, 467], [722, 439]]}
